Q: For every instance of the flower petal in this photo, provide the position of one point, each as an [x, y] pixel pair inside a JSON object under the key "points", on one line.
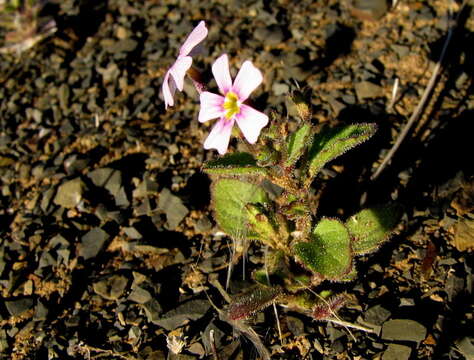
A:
{"points": [[195, 37], [220, 70], [178, 70], [168, 88], [247, 80], [251, 122], [219, 136], [211, 106]]}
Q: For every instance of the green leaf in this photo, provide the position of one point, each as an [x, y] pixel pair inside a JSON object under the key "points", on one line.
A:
{"points": [[230, 197], [234, 164], [261, 222], [371, 227], [331, 143], [328, 253], [297, 144]]}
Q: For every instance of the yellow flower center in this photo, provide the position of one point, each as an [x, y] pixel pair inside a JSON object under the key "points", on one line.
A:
{"points": [[231, 105]]}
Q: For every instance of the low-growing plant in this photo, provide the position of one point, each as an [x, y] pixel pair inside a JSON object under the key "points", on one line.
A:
{"points": [[303, 249]]}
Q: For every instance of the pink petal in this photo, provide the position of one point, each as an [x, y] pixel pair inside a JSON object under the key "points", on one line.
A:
{"points": [[211, 106], [220, 70], [247, 80], [178, 70], [219, 136], [251, 122], [168, 88], [197, 35]]}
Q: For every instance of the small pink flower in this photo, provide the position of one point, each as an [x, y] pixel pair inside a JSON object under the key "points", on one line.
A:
{"points": [[230, 107], [174, 77]]}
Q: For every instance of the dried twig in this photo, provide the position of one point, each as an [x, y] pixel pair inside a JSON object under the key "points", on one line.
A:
{"points": [[416, 114]]}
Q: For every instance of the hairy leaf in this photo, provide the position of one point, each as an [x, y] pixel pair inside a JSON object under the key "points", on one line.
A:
{"points": [[234, 164], [331, 143], [230, 197], [297, 144], [255, 300], [328, 253], [371, 227]]}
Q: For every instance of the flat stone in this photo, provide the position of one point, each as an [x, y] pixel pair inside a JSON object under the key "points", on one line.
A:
{"points": [[191, 310], [397, 352], [403, 330], [173, 207], [69, 194], [368, 90], [139, 295], [19, 306], [92, 243], [376, 315], [295, 325], [153, 310], [111, 288]]}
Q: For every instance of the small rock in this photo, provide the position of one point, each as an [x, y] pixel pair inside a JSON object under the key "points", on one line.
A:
{"points": [[173, 207], [153, 310], [280, 89], [125, 45], [19, 306], [403, 330], [69, 194], [295, 325], [112, 287], [203, 224], [110, 73], [197, 349], [92, 243], [132, 233], [377, 315], [191, 310], [272, 35], [369, 9], [396, 352], [41, 312], [368, 90], [466, 347], [139, 295]]}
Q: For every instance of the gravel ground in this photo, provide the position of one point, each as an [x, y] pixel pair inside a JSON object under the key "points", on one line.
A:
{"points": [[108, 249]]}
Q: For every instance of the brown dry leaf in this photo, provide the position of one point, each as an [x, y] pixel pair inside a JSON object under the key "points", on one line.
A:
{"points": [[464, 234]]}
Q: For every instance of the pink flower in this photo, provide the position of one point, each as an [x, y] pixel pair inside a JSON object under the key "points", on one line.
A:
{"points": [[230, 107], [174, 77]]}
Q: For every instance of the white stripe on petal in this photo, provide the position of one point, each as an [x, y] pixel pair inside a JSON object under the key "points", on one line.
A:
{"points": [[197, 35], [211, 106], [178, 70], [219, 136], [168, 90], [220, 70], [247, 80], [251, 122]]}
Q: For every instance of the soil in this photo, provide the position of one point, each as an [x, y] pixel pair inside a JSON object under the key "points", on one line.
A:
{"points": [[108, 247]]}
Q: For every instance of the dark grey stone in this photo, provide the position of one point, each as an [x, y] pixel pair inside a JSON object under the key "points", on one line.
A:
{"points": [[403, 330], [191, 310], [92, 243], [367, 90], [19, 306], [69, 193], [397, 352], [112, 287], [173, 207], [139, 295]]}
